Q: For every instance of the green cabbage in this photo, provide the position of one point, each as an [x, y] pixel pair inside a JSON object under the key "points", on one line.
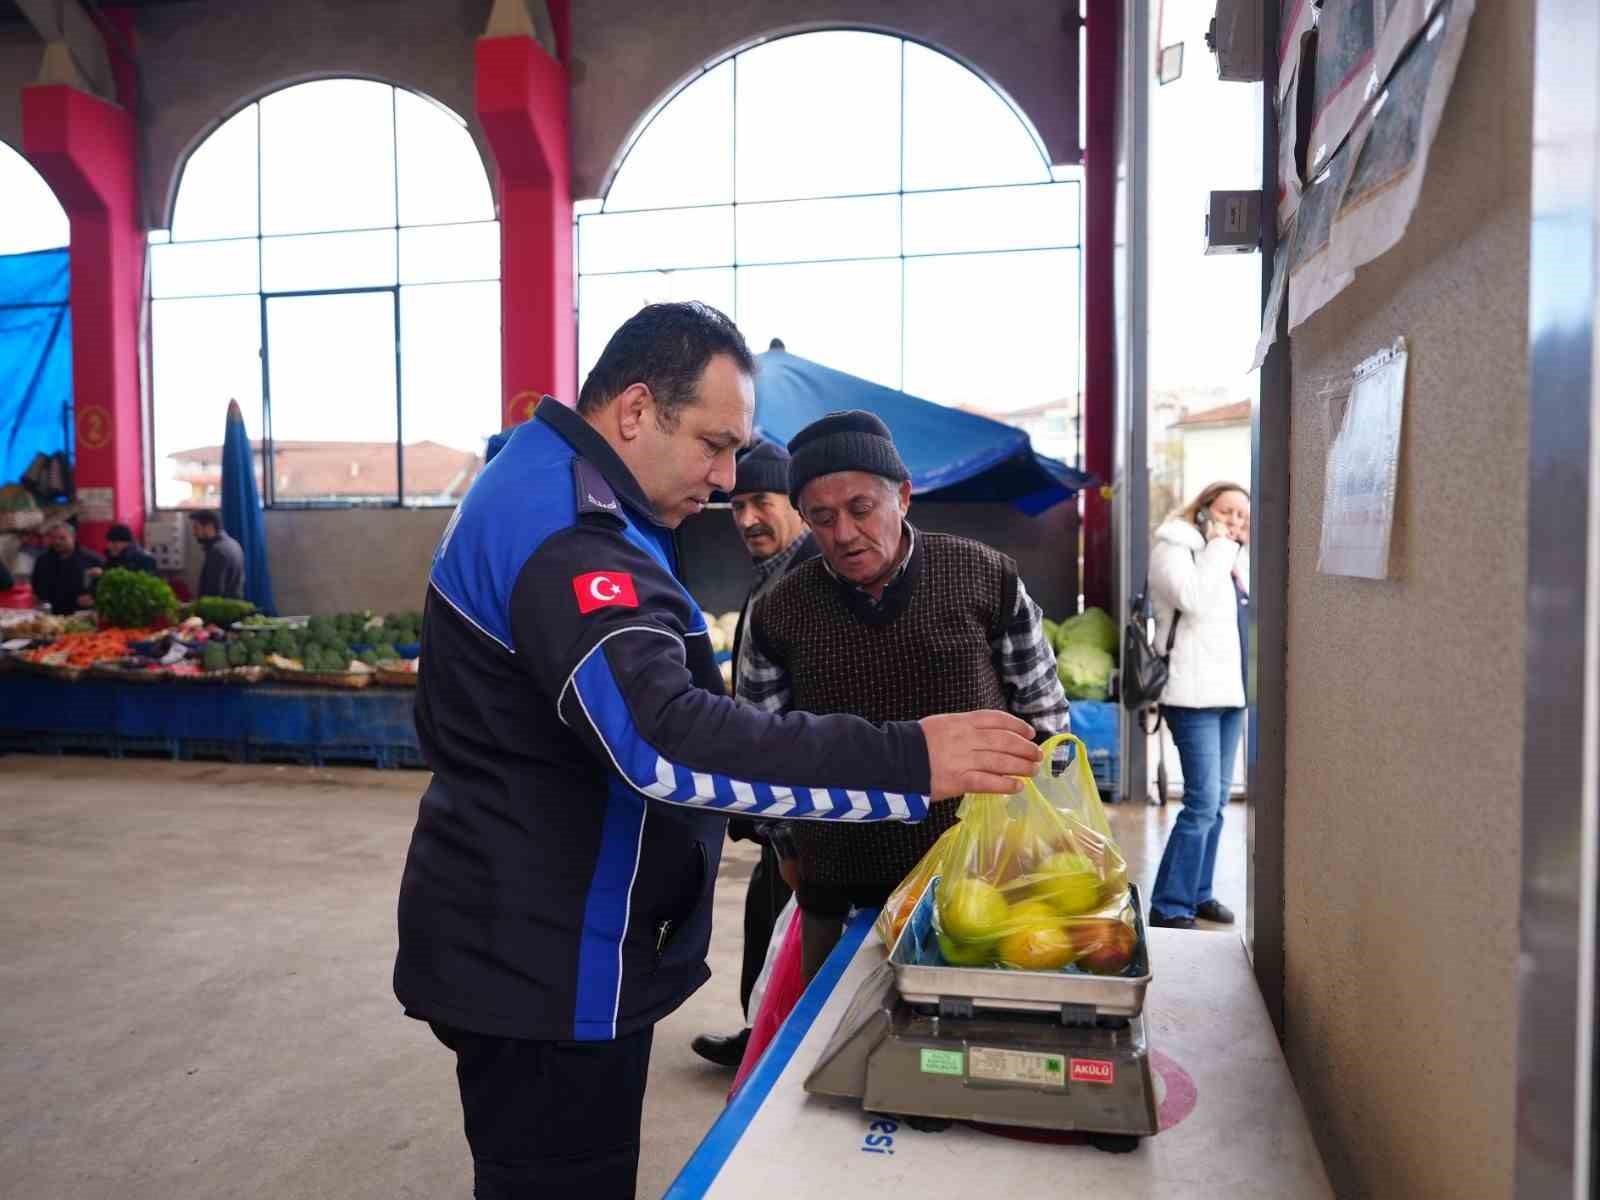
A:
{"points": [[1092, 627], [1084, 671]]}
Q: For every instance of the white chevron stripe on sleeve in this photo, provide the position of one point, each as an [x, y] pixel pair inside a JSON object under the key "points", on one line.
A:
{"points": [[744, 796], [782, 802], [666, 780]]}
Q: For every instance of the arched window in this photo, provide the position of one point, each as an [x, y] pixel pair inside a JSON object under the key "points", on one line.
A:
{"points": [[872, 202], [333, 265], [34, 218]]}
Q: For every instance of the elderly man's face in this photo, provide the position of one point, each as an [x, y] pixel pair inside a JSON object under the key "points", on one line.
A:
{"points": [[62, 540], [858, 520]]}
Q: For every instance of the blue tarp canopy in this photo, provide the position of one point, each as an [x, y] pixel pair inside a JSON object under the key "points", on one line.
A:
{"points": [[35, 359], [952, 455]]}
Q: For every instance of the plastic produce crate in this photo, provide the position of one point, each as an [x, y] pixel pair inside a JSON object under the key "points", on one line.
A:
{"points": [[1099, 724]]}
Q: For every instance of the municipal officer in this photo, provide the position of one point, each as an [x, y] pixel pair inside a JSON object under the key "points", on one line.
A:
{"points": [[556, 900]]}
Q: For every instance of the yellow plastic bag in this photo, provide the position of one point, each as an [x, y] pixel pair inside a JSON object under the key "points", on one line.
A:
{"points": [[1033, 881]]}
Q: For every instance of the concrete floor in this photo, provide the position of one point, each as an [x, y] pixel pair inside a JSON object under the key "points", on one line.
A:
{"points": [[195, 967]]}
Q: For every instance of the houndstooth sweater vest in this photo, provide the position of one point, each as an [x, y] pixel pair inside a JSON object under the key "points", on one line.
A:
{"points": [[924, 649]]}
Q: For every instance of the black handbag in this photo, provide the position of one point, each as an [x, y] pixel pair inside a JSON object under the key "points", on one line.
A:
{"points": [[1144, 671]]}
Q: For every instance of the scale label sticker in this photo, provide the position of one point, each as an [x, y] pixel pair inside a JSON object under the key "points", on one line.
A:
{"points": [[1093, 1070], [1018, 1066], [943, 1062]]}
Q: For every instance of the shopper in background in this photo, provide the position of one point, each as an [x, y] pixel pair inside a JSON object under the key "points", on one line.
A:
{"points": [[62, 575], [222, 573], [122, 551], [776, 537], [1198, 578]]}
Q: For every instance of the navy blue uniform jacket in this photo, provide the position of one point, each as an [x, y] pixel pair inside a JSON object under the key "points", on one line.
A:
{"points": [[585, 758]]}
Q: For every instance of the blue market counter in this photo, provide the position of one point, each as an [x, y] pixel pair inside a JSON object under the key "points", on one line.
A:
{"points": [[263, 723]]}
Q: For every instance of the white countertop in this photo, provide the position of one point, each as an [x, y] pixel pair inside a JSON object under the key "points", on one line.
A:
{"points": [[1231, 1120]]}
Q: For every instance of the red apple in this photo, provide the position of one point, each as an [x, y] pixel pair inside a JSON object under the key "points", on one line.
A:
{"points": [[1104, 946]]}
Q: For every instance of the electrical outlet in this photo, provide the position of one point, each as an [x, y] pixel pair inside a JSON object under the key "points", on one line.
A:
{"points": [[1233, 226]]}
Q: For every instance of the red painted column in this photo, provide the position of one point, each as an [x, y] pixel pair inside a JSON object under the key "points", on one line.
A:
{"points": [[86, 148], [1103, 24], [522, 103]]}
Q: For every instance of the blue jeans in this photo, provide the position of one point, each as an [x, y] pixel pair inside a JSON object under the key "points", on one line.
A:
{"points": [[1207, 741]]}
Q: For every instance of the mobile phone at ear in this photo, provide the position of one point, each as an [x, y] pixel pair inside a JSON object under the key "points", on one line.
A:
{"points": [[1203, 519]]}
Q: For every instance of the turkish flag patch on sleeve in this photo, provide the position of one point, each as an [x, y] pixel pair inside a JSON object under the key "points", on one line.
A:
{"points": [[605, 589]]}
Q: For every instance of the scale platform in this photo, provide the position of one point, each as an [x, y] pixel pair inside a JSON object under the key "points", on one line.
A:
{"points": [[1037, 1050]]}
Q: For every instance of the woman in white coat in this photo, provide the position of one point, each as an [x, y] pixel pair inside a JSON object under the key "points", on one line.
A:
{"points": [[1198, 578]]}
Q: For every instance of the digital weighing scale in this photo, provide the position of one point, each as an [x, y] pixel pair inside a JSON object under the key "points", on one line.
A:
{"points": [[1045, 1050]]}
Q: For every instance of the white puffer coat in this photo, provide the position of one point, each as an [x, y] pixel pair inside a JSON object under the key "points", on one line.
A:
{"points": [[1195, 577]]}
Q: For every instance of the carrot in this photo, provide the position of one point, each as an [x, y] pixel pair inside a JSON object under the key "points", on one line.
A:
{"points": [[86, 649]]}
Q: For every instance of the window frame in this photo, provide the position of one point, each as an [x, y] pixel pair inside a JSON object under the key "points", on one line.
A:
{"points": [[268, 479], [1052, 177]]}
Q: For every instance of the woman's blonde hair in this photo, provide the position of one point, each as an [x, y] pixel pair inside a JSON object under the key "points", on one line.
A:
{"points": [[1207, 497]]}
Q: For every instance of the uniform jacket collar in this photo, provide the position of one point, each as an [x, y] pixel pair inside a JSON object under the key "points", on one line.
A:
{"points": [[599, 458]]}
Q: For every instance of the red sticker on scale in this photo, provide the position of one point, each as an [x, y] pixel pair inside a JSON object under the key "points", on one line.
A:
{"points": [[604, 589], [1093, 1070]]}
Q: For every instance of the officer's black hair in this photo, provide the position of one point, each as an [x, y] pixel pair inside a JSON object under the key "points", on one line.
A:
{"points": [[666, 347]]}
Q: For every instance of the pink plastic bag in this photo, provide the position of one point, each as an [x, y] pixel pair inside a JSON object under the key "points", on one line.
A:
{"points": [[785, 986]]}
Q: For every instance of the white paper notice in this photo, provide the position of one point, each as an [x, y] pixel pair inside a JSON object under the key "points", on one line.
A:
{"points": [[95, 504], [1364, 469]]}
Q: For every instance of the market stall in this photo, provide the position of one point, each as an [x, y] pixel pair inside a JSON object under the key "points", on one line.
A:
{"points": [[214, 679]]}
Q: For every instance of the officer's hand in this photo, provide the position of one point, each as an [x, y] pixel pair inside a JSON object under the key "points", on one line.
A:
{"points": [[985, 751]]}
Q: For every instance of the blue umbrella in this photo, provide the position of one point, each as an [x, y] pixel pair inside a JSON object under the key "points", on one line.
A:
{"points": [[241, 510], [952, 455]]}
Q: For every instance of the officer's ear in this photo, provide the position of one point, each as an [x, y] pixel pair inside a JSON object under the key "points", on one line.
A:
{"points": [[630, 409]]}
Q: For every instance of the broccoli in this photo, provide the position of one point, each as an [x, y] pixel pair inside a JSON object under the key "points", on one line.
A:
{"points": [[238, 654], [214, 657]]}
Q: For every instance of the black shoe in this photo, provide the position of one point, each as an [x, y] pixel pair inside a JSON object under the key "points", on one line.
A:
{"points": [[1215, 910], [1165, 922], [726, 1051]]}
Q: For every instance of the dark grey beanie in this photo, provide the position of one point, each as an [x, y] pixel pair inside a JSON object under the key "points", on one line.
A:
{"points": [[843, 441], [764, 467]]}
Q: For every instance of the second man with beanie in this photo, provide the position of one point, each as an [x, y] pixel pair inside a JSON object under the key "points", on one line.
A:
{"points": [[888, 624]]}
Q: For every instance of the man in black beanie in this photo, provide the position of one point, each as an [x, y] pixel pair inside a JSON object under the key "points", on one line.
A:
{"points": [[889, 623], [122, 551], [778, 542]]}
